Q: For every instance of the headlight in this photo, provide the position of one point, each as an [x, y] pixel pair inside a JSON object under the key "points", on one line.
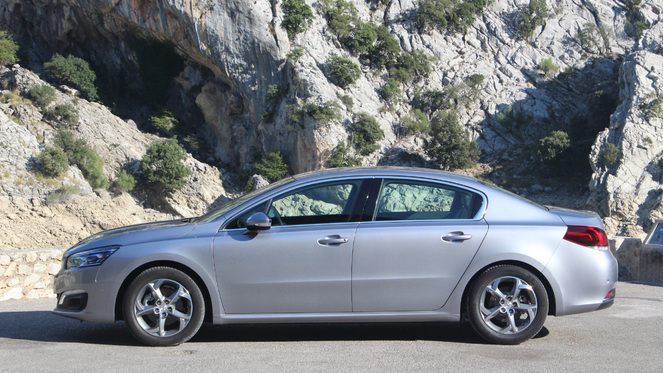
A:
{"points": [[90, 258]]}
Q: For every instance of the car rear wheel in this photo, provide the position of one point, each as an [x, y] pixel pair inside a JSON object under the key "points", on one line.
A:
{"points": [[163, 306], [507, 304]]}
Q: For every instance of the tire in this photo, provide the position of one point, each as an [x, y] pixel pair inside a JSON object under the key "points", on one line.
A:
{"points": [[507, 304], [163, 306]]}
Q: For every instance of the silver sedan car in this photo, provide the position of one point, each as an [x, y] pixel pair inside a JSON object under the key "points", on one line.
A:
{"points": [[347, 245]]}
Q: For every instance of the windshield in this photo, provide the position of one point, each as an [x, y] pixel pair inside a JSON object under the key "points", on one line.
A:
{"points": [[239, 200]]}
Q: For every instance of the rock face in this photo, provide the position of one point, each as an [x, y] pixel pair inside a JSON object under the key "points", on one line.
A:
{"points": [[236, 50], [31, 214], [628, 190]]}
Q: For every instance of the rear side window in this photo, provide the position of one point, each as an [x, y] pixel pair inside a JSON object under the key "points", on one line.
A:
{"points": [[415, 200]]}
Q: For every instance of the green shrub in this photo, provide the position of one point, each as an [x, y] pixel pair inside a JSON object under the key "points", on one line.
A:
{"points": [[475, 80], [400, 75], [513, 119], [417, 122], [609, 154], [448, 15], [42, 95], [390, 91], [63, 193], [364, 35], [272, 166], [416, 63], [386, 49], [343, 71], [84, 157], [8, 49], [73, 71], [340, 157], [531, 16], [548, 67], [323, 113], [588, 37], [341, 18], [162, 165], [450, 145], [295, 54], [64, 113], [639, 27], [366, 133], [164, 121], [553, 145], [653, 108], [347, 101], [53, 161], [297, 16], [432, 101], [274, 93], [124, 182]]}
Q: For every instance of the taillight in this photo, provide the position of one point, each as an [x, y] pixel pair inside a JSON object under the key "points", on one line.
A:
{"points": [[586, 236]]}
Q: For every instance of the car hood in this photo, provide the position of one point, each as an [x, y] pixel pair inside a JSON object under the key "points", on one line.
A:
{"points": [[138, 233], [577, 217]]}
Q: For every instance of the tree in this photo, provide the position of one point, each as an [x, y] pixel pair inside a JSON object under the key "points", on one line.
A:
{"points": [[53, 161], [8, 49], [297, 16], [343, 71], [73, 71], [273, 167], [366, 133], [450, 144], [162, 165]]}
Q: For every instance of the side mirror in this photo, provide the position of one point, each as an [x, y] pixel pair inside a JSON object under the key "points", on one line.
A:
{"points": [[258, 222]]}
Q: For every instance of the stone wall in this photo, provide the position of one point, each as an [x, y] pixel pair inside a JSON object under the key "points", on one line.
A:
{"points": [[28, 273]]}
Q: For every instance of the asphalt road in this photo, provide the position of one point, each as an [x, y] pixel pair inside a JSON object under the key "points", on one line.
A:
{"points": [[627, 337]]}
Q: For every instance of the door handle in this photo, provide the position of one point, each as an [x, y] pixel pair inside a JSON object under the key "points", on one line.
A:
{"points": [[456, 237], [332, 240]]}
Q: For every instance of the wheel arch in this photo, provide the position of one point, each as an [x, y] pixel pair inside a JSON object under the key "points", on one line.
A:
{"points": [[552, 301], [164, 263]]}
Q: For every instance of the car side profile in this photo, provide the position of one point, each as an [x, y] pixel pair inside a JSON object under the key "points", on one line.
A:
{"points": [[376, 244]]}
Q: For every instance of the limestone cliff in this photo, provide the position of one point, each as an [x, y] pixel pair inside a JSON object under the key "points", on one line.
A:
{"points": [[235, 50]]}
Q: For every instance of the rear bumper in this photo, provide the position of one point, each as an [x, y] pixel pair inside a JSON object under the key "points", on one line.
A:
{"points": [[583, 279]]}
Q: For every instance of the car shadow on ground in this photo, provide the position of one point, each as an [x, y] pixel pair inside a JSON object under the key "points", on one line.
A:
{"points": [[43, 326]]}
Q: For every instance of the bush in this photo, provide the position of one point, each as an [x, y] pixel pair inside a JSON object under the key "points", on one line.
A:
{"points": [[272, 167], [364, 35], [295, 54], [297, 16], [340, 157], [531, 16], [164, 121], [390, 91], [42, 95], [341, 18], [475, 80], [417, 64], [449, 144], [639, 28], [653, 108], [63, 193], [162, 165], [53, 161], [343, 71], [84, 157], [64, 113], [124, 182], [347, 101], [609, 154], [548, 67], [366, 133], [553, 145], [448, 15], [386, 49], [324, 113], [8, 49], [417, 122], [75, 72], [588, 37]]}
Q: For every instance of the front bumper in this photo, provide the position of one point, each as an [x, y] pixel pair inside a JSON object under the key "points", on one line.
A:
{"points": [[81, 297]]}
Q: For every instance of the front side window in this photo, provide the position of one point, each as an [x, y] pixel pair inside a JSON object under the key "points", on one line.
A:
{"points": [[414, 200], [318, 204], [325, 203]]}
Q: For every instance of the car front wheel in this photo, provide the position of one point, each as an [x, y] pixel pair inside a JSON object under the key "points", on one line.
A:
{"points": [[507, 304], [163, 306]]}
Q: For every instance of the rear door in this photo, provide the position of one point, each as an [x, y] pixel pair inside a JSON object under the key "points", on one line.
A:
{"points": [[420, 241]]}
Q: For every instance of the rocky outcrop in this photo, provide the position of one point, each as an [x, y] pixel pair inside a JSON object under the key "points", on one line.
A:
{"points": [[34, 216], [628, 189]]}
